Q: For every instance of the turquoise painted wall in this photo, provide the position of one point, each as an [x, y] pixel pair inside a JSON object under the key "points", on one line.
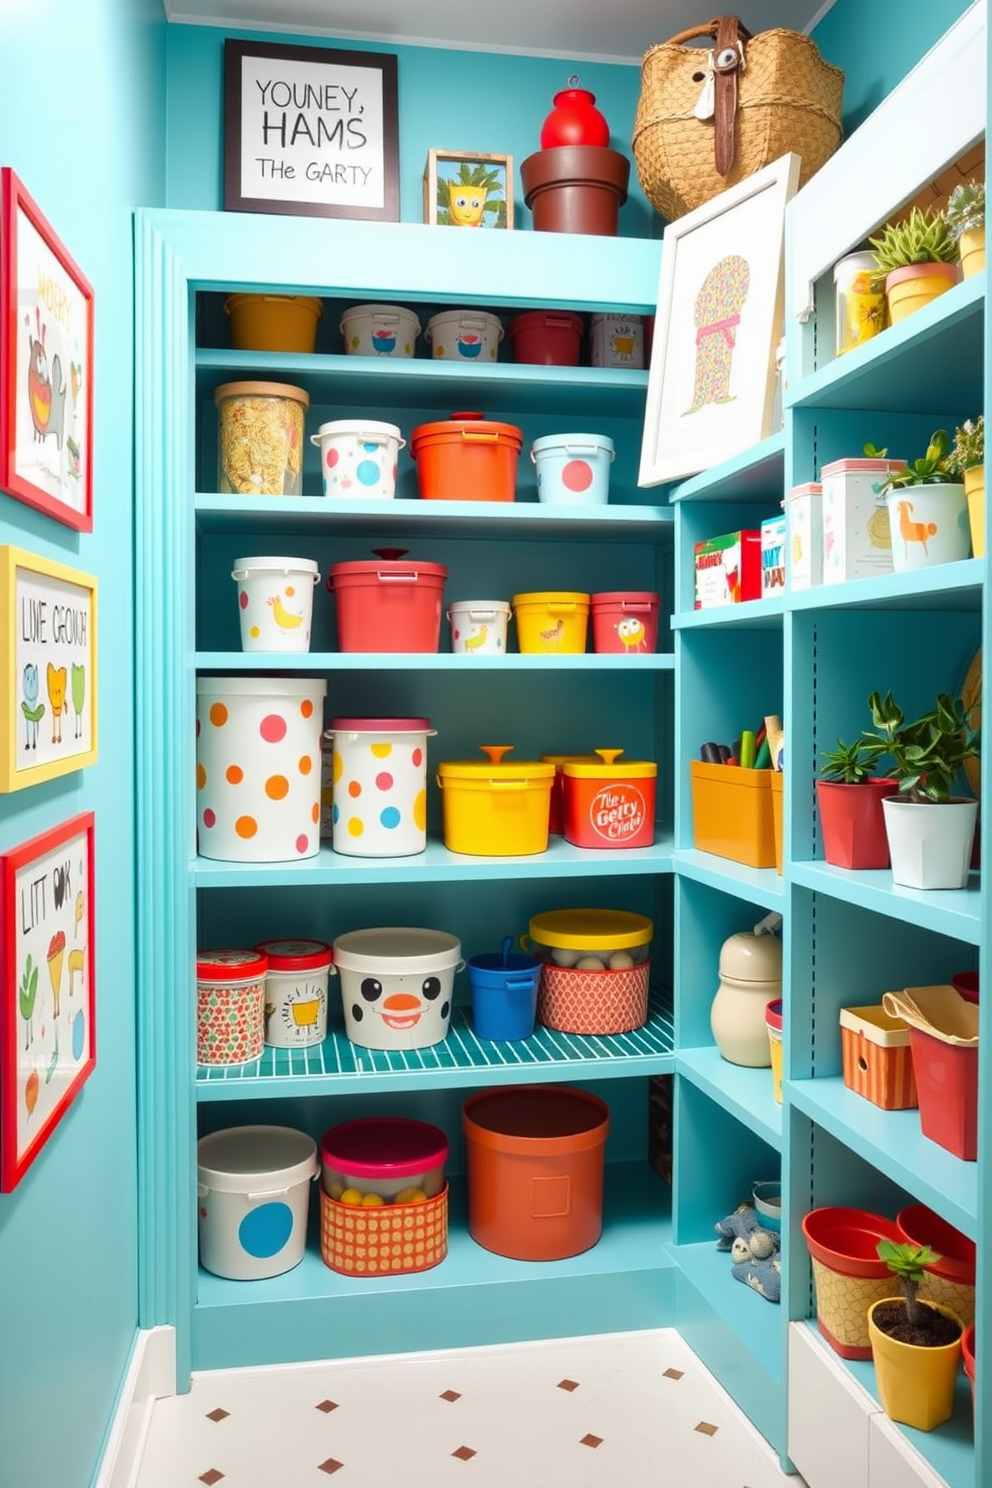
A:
{"points": [[81, 110], [448, 100], [877, 45]]}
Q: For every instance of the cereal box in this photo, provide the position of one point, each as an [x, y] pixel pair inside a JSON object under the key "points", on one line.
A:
{"points": [[727, 569], [773, 555]]}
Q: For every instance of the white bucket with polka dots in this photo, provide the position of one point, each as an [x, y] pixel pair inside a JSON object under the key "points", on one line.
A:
{"points": [[573, 469], [258, 767], [379, 786], [358, 458], [275, 601], [396, 985]]}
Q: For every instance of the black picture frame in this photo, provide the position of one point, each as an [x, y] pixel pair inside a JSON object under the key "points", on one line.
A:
{"points": [[325, 123]]}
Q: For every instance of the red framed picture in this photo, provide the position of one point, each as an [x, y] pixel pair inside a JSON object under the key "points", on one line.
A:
{"points": [[46, 365], [47, 988]]}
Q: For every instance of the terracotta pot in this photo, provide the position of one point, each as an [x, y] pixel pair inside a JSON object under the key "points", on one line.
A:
{"points": [[576, 188], [853, 824], [910, 288]]}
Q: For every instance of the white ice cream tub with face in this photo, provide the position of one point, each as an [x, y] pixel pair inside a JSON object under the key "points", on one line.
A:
{"points": [[396, 985], [275, 602], [258, 767], [253, 1193]]}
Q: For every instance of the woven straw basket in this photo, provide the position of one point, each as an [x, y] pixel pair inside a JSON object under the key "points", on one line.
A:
{"points": [[788, 99]]}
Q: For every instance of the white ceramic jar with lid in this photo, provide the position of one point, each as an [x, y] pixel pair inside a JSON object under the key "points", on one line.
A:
{"points": [[750, 978]]}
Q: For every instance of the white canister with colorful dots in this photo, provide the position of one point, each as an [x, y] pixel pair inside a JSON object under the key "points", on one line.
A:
{"points": [[275, 601], [379, 786], [258, 767], [358, 458]]}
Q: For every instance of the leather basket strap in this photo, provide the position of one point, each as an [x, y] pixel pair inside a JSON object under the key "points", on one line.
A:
{"points": [[727, 63]]}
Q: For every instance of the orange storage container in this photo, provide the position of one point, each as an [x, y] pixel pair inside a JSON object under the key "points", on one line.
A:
{"points": [[878, 1063], [466, 458], [732, 813], [535, 1170], [777, 824], [609, 802]]}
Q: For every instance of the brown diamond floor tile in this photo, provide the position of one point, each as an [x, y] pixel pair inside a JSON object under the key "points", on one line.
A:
{"points": [[673, 1373], [218, 1415], [326, 1406], [589, 1440], [330, 1466], [568, 1384], [450, 1396], [464, 1454], [705, 1428], [210, 1477]]}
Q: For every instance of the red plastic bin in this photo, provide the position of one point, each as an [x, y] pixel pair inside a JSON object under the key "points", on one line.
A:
{"points": [[625, 622], [548, 338], [387, 603]]}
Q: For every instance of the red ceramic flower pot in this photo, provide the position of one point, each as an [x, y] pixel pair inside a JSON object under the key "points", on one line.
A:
{"points": [[852, 822]]}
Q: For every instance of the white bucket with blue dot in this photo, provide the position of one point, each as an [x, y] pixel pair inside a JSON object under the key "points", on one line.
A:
{"points": [[358, 458], [253, 1195], [573, 469]]}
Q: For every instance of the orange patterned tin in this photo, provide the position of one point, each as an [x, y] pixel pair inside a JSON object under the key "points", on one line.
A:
{"points": [[878, 1062]]}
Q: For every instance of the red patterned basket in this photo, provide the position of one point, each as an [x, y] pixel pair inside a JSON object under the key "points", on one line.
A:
{"points": [[574, 1001], [389, 1240]]}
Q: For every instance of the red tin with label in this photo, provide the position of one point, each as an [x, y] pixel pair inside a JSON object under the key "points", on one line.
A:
{"points": [[609, 802]]}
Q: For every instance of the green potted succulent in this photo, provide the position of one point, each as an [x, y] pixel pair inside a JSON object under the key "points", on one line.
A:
{"points": [[966, 224], [918, 257], [927, 508], [916, 1345], [849, 795], [930, 831], [967, 459]]}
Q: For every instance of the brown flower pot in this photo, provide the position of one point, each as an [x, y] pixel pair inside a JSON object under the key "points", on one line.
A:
{"points": [[576, 188]]}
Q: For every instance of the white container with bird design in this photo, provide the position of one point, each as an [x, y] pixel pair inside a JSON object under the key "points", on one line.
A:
{"points": [[464, 336], [379, 330], [573, 469], [478, 626], [275, 602], [929, 524], [258, 767], [379, 786]]}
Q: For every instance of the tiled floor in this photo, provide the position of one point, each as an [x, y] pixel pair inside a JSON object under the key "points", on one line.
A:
{"points": [[620, 1411]]}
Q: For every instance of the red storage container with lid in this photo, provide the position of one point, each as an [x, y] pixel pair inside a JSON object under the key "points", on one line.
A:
{"points": [[548, 338], [609, 802], [625, 622], [466, 458], [388, 603]]}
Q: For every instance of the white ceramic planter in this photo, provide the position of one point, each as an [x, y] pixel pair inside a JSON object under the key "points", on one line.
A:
{"points": [[929, 525], [930, 845]]}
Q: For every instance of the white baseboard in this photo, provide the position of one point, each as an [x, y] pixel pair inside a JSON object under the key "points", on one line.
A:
{"points": [[150, 1375]]}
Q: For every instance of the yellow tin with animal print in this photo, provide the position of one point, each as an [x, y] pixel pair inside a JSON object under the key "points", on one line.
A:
{"points": [[495, 808], [552, 622]]}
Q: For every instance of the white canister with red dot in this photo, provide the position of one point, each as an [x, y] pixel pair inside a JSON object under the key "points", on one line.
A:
{"points": [[258, 767], [275, 602], [573, 469], [296, 992], [379, 786]]}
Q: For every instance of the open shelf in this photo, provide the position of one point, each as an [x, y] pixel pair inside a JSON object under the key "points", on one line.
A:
{"points": [[953, 912], [745, 1093], [945, 586], [760, 885], [754, 473], [337, 1066], [312, 1312], [427, 661], [892, 1142], [753, 1320], [752, 614]]}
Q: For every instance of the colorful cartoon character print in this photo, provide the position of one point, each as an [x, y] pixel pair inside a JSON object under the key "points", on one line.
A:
{"points": [[466, 204], [33, 711], [57, 678], [717, 315], [78, 697]]}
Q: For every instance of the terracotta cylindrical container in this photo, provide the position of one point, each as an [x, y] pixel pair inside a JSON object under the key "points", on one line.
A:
{"points": [[576, 188]]}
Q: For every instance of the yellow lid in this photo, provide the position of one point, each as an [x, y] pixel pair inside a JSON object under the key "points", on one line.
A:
{"points": [[495, 767], [606, 764], [591, 929], [554, 599]]}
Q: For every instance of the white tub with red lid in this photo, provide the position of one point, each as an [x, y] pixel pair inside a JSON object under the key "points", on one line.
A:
{"points": [[396, 985], [296, 992], [379, 786]]}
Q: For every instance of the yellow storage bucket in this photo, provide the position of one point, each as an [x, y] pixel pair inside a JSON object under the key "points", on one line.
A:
{"points": [[494, 807], [552, 622], [264, 322]]}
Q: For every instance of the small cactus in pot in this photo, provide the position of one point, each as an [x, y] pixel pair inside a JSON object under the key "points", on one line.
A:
{"points": [[918, 256], [966, 224]]}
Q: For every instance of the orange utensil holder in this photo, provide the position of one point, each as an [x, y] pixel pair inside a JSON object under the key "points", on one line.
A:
{"points": [[777, 783], [732, 813]]}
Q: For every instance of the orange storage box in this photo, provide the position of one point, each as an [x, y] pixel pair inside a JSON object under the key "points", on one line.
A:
{"points": [[878, 1063], [466, 458], [535, 1170], [608, 802], [777, 821], [732, 814]]}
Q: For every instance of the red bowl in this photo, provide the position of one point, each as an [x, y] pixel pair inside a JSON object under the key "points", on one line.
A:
{"points": [[966, 982], [846, 1240], [920, 1226]]}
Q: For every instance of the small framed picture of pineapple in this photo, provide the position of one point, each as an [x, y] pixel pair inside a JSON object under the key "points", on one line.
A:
{"points": [[466, 190], [47, 669]]}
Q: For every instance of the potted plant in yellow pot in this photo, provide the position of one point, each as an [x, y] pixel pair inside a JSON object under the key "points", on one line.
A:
{"points": [[849, 796], [966, 223], [927, 509], [918, 257], [929, 830], [967, 459], [916, 1345]]}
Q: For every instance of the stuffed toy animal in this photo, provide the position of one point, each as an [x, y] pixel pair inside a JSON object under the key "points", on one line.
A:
{"points": [[753, 1250]]}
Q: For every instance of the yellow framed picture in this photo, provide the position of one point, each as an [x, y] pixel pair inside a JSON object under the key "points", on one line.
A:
{"points": [[462, 189], [47, 669]]}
